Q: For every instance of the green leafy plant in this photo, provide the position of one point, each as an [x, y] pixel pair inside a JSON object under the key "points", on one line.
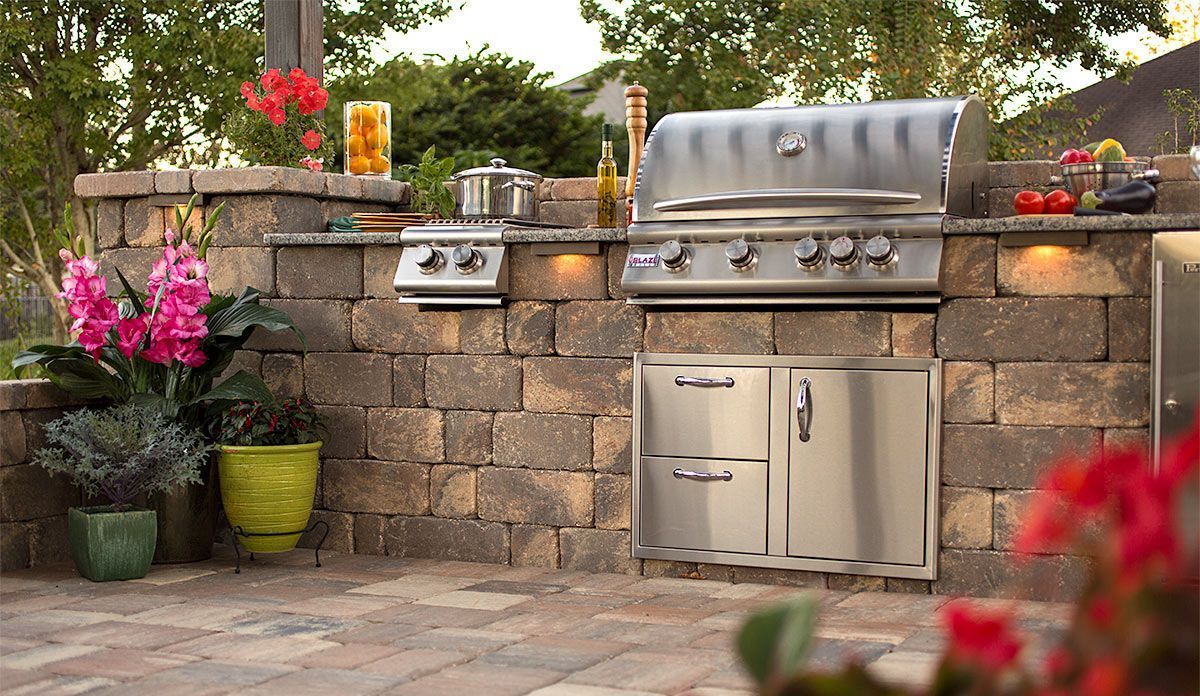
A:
{"points": [[279, 124], [122, 452], [1185, 112], [428, 179], [290, 422]]}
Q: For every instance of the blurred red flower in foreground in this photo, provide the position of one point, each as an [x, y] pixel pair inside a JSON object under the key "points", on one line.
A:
{"points": [[979, 637]]}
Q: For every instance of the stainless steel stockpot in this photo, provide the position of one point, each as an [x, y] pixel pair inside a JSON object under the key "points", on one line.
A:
{"points": [[496, 191]]}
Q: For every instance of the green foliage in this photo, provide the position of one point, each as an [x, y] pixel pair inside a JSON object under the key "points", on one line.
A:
{"points": [[1185, 110], [8, 351], [476, 108], [291, 422], [711, 54], [774, 643], [428, 177], [259, 141], [122, 452]]}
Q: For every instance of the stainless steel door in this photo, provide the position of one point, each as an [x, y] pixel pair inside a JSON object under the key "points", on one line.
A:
{"points": [[1176, 336], [703, 504], [709, 412], [857, 465]]}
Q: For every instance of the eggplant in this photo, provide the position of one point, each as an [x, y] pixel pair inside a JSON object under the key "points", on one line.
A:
{"points": [[1082, 211], [1135, 197]]}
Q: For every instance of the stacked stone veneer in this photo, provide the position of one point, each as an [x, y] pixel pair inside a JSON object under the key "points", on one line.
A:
{"points": [[503, 434]]}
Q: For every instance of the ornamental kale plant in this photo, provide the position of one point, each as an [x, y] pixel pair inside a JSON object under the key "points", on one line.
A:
{"points": [[279, 127], [290, 422], [122, 452]]}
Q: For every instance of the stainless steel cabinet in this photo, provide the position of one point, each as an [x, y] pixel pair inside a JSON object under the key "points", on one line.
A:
{"points": [[802, 462], [1176, 336]]}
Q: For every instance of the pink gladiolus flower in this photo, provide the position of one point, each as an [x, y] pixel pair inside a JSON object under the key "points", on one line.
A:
{"points": [[87, 301], [130, 333], [191, 355]]}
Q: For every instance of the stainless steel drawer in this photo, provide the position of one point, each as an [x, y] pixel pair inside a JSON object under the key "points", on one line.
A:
{"points": [[703, 504], [709, 412]]}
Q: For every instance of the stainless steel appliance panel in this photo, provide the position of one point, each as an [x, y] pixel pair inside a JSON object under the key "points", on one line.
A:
{"points": [[1176, 335], [704, 504], [710, 412], [857, 470]]}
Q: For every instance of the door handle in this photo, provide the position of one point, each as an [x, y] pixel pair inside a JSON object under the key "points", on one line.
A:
{"points": [[703, 475], [703, 381], [804, 410]]}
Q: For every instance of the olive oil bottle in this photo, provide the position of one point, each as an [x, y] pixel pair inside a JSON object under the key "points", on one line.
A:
{"points": [[606, 182]]}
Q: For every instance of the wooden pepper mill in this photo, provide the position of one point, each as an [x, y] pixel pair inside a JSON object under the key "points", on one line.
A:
{"points": [[635, 123]]}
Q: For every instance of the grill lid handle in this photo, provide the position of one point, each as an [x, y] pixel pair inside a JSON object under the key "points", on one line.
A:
{"points": [[796, 197]]}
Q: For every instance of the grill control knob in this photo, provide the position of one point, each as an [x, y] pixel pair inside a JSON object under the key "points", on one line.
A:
{"points": [[842, 251], [739, 253], [465, 259], [880, 250], [808, 252], [673, 255], [427, 258]]}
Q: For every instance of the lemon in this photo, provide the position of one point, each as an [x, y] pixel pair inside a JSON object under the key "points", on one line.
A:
{"points": [[380, 165], [359, 165], [356, 145]]}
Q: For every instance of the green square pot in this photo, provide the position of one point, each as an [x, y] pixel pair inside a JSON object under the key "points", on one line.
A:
{"points": [[108, 545]]}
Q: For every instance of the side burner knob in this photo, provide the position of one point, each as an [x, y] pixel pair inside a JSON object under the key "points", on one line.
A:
{"points": [[842, 251], [880, 250], [673, 255], [466, 259], [427, 258], [808, 252], [739, 253]]}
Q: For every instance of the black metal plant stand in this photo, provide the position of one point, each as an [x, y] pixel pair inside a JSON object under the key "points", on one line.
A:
{"points": [[236, 531]]}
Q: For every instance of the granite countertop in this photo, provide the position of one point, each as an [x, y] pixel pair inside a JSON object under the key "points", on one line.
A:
{"points": [[512, 236], [1087, 223], [519, 235]]}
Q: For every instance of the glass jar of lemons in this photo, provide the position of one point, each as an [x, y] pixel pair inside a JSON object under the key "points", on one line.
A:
{"points": [[368, 142]]}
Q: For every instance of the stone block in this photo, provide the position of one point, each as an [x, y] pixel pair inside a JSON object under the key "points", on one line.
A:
{"points": [[144, 224], [259, 180], [348, 379], [912, 334], [408, 381], [982, 573], [388, 191], [612, 444], [369, 533], [654, 568], [48, 540], [1124, 439], [483, 331], [1112, 264], [908, 586], [710, 332], [12, 438], [1010, 514], [542, 441], [833, 333], [231, 269], [1007, 456], [1094, 394], [245, 219], [173, 181], [28, 491], [383, 488], [406, 434], [608, 329], [379, 268], [14, 546], [390, 327], [110, 223], [555, 498], [776, 576], [529, 328], [561, 277], [325, 324], [1021, 173], [35, 425], [534, 546], [614, 501], [452, 490], [452, 540], [1173, 167], [243, 361], [347, 426], [473, 382], [1129, 329], [581, 188], [319, 271], [856, 583], [966, 518], [597, 551], [344, 186], [968, 266], [284, 374], [592, 386], [133, 263], [968, 389], [569, 213], [616, 267], [340, 538], [469, 437], [1178, 197], [1019, 328], [114, 184]]}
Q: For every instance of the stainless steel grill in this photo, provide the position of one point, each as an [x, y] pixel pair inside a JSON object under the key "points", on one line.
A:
{"points": [[813, 204]]}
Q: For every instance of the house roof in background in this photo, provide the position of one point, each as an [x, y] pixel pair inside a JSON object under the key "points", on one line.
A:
{"points": [[608, 100]]}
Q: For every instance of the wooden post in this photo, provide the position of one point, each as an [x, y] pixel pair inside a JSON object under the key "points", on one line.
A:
{"points": [[294, 36], [635, 123]]}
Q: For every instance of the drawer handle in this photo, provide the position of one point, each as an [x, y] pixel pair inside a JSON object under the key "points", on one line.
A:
{"points": [[804, 410], [703, 475], [703, 381]]}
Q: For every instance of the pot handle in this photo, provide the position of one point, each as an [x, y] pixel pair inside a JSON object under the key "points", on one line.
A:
{"points": [[498, 162], [525, 185]]}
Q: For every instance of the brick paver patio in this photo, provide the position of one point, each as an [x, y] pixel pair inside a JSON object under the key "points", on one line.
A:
{"points": [[365, 624]]}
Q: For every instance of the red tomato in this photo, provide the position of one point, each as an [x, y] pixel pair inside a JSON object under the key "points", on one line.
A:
{"points": [[1060, 203], [1029, 203]]}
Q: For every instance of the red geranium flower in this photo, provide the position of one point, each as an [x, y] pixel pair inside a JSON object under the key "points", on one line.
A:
{"points": [[277, 116], [311, 140]]}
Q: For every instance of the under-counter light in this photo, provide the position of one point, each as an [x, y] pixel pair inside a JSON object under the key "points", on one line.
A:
{"points": [[1043, 239], [566, 248]]}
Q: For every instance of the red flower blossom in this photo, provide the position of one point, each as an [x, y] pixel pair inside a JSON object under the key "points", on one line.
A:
{"points": [[1104, 677], [981, 638], [277, 116], [311, 140]]}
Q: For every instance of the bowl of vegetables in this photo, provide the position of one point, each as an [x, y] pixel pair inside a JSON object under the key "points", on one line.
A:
{"points": [[1099, 166]]}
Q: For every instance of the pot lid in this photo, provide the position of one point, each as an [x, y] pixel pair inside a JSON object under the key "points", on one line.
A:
{"points": [[498, 167]]}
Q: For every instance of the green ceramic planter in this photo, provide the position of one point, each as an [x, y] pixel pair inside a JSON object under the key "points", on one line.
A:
{"points": [[109, 545], [269, 489]]}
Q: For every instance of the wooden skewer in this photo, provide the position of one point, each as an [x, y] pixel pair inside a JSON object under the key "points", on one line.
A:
{"points": [[635, 123]]}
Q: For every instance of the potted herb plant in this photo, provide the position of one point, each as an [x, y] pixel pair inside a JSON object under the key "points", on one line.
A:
{"points": [[269, 454], [165, 349], [428, 179], [119, 453]]}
